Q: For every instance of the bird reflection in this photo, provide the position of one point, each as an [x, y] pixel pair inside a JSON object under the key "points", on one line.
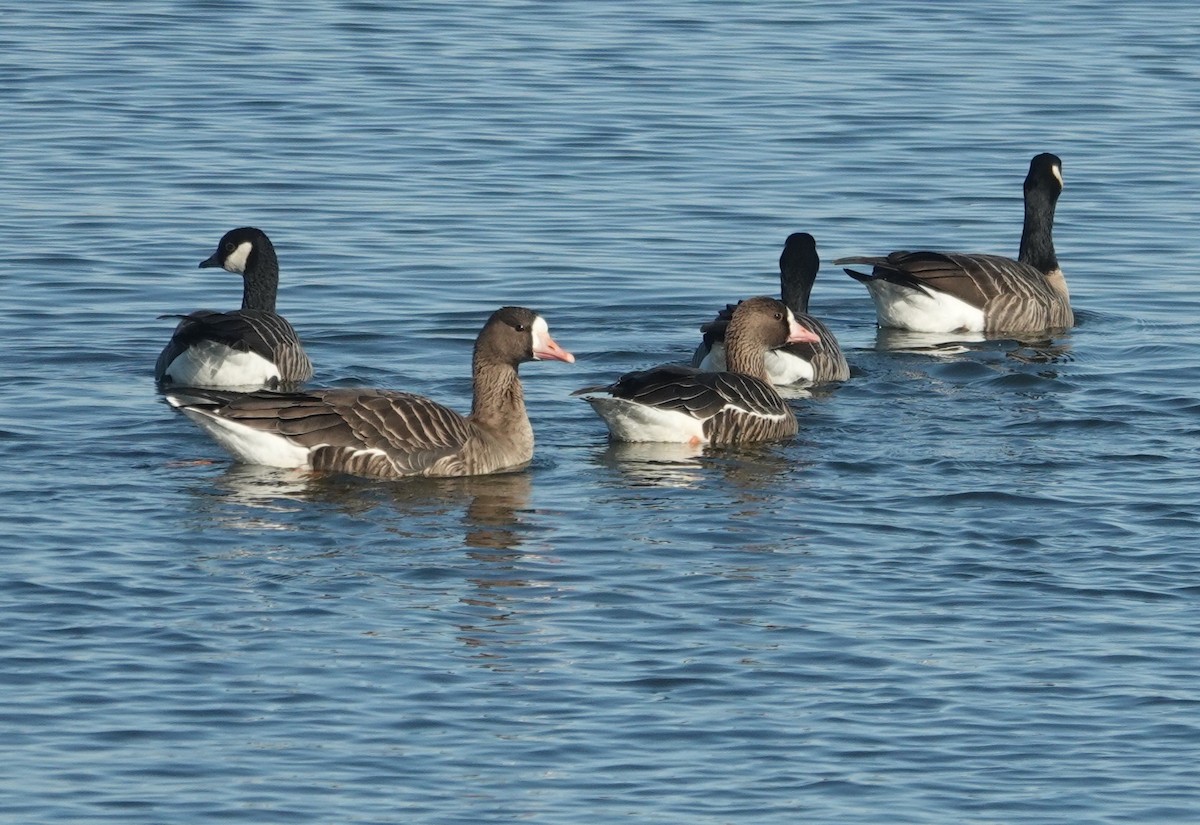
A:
{"points": [[686, 466], [1033, 350], [491, 505]]}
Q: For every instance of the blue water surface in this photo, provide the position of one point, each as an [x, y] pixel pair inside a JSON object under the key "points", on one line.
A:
{"points": [[965, 593]]}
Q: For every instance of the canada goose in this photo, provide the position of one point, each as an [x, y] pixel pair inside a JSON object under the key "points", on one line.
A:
{"points": [[248, 347], [953, 292]]}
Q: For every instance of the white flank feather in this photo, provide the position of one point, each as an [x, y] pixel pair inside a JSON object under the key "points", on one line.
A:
{"points": [[211, 364], [246, 444], [782, 367], [906, 308], [630, 421]]}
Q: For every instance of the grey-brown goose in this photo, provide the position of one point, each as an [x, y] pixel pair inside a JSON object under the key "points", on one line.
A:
{"points": [[683, 404], [384, 433], [817, 363], [955, 292], [248, 347]]}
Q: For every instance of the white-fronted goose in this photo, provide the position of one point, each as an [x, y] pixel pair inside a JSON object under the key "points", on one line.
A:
{"points": [[249, 347], [955, 292], [384, 433], [817, 363], [684, 404]]}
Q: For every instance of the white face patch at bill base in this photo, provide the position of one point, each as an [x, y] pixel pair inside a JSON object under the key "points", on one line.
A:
{"points": [[541, 334]]}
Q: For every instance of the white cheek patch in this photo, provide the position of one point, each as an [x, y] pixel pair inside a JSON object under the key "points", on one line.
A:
{"points": [[1057, 170], [235, 261]]}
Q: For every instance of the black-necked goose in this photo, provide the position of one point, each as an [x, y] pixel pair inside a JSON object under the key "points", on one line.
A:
{"points": [[818, 363], [384, 433], [684, 404], [955, 292], [249, 347]]}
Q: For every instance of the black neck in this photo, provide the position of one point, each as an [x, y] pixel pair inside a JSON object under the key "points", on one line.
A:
{"points": [[1037, 238], [260, 281]]}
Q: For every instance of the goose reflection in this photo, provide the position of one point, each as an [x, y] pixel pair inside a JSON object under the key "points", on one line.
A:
{"points": [[685, 466], [1035, 350], [265, 497]]}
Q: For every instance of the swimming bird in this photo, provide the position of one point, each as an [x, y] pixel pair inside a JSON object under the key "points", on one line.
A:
{"points": [[385, 433], [248, 347], [956, 292], [682, 404], [818, 363]]}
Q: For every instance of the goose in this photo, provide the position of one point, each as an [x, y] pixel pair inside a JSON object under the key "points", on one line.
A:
{"points": [[384, 433], [682, 404], [817, 363], [956, 292], [251, 347]]}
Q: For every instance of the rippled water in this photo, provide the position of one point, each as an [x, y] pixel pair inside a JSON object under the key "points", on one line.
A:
{"points": [[966, 592]]}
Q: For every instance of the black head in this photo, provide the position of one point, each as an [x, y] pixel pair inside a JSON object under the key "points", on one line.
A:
{"points": [[1045, 174], [238, 247], [800, 249], [798, 265]]}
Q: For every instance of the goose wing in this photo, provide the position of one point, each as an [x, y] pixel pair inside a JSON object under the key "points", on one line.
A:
{"points": [[365, 432], [701, 395], [265, 334], [973, 279]]}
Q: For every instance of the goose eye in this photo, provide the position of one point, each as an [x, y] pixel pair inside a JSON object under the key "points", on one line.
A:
{"points": [[520, 327], [229, 246], [778, 316]]}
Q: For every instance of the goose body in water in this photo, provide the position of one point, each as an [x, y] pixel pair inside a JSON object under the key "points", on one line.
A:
{"points": [[687, 405], [384, 433], [247, 348], [819, 362], [957, 292]]}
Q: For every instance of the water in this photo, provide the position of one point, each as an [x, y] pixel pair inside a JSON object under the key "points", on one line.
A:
{"points": [[966, 593]]}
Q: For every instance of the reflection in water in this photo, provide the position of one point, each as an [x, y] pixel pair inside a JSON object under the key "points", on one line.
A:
{"points": [[746, 467], [656, 464], [926, 343], [491, 504], [494, 569], [1035, 349]]}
